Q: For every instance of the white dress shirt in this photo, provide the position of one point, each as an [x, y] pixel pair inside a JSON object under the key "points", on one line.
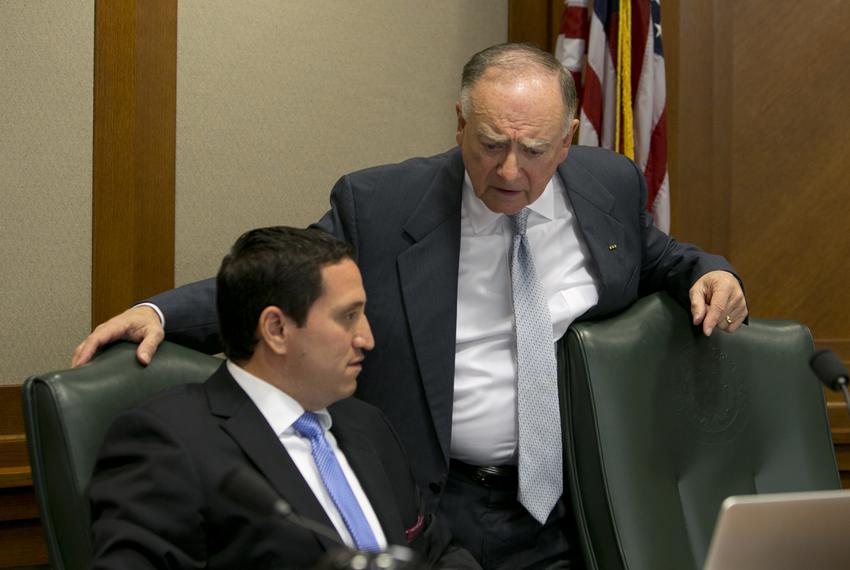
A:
{"points": [[484, 417], [281, 411]]}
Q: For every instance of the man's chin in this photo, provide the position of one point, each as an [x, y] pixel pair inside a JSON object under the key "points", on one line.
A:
{"points": [[505, 208], [504, 201], [349, 389]]}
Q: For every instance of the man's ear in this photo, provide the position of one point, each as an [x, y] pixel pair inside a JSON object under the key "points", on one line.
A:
{"points": [[567, 141], [461, 122], [273, 329]]}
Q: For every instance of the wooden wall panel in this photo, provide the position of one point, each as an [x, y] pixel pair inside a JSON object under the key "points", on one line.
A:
{"points": [[697, 60], [535, 21], [21, 542], [22, 545], [791, 126], [760, 118], [135, 106]]}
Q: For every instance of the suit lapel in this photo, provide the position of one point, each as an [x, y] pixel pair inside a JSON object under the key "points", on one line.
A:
{"points": [[249, 429], [428, 276], [593, 205], [366, 463]]}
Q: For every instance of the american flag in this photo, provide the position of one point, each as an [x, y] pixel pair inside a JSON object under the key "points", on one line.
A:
{"points": [[613, 50]]}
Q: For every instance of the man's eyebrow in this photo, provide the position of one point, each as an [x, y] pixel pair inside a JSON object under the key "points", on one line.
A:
{"points": [[535, 144], [530, 144], [491, 136], [351, 306]]}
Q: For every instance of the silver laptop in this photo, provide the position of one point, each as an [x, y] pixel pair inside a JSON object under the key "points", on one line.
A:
{"points": [[782, 531]]}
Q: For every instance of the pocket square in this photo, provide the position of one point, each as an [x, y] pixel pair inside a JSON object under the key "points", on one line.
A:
{"points": [[412, 532]]}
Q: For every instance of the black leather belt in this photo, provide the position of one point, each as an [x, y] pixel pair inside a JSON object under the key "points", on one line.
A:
{"points": [[503, 477]]}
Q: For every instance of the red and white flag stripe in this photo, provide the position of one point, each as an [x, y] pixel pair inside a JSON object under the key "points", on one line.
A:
{"points": [[591, 33]]}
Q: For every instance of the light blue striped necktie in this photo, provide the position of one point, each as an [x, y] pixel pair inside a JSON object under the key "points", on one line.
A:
{"points": [[335, 482], [540, 460]]}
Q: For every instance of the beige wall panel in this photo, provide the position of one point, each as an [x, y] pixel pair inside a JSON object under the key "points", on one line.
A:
{"points": [[45, 183], [277, 99]]}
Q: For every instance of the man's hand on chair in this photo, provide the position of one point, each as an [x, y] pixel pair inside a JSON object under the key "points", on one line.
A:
{"points": [[717, 301], [139, 324]]}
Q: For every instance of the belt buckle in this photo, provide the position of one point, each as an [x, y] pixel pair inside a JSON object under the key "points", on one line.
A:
{"points": [[490, 477], [481, 476]]}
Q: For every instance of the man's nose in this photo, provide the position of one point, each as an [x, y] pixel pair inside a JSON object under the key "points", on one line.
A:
{"points": [[509, 168], [363, 339]]}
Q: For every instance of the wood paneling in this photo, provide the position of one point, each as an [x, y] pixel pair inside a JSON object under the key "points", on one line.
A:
{"points": [[11, 412], [135, 103], [21, 542], [14, 462], [535, 21], [697, 61], [13, 451], [791, 124], [17, 504]]}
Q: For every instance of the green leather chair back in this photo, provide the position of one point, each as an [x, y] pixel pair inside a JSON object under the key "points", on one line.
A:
{"points": [[67, 414], [662, 424]]}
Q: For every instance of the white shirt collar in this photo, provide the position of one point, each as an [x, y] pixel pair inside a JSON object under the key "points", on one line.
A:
{"points": [[483, 220], [279, 408]]}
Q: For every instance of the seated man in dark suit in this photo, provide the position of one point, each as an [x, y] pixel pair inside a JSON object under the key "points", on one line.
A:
{"points": [[291, 311]]}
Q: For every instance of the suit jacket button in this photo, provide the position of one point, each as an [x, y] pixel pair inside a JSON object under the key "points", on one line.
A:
{"points": [[435, 487]]}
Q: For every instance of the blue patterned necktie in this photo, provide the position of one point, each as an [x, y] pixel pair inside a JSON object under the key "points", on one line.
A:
{"points": [[540, 460], [336, 483]]}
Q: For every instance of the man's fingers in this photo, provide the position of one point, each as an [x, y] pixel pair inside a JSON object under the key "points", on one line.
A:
{"points": [[716, 316], [82, 354], [99, 337], [697, 306], [736, 312], [147, 348], [139, 324]]}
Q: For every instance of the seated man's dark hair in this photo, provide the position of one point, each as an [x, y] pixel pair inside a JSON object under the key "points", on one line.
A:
{"points": [[276, 266]]}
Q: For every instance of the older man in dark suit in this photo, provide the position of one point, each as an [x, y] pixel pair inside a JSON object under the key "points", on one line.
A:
{"points": [[291, 307], [437, 239]]}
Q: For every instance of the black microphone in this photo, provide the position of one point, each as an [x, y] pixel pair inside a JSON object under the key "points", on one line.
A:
{"points": [[831, 371], [246, 487]]}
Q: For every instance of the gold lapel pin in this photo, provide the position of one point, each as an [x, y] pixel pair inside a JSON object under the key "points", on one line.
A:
{"points": [[612, 247]]}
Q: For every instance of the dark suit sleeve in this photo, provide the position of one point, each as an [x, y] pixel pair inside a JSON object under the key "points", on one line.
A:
{"points": [[145, 499], [190, 315], [339, 220]]}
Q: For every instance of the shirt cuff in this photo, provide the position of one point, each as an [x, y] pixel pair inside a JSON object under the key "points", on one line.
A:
{"points": [[155, 308]]}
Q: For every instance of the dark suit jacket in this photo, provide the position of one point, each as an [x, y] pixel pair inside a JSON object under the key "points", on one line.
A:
{"points": [[404, 222], [154, 492]]}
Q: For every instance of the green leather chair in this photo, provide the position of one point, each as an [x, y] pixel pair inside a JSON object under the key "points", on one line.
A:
{"points": [[662, 424], [67, 414]]}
